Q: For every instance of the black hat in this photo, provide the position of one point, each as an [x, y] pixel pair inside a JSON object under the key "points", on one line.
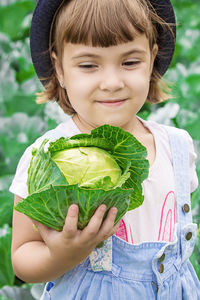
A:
{"points": [[41, 27]]}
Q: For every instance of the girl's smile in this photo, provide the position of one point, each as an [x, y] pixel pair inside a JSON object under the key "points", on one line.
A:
{"points": [[107, 85], [112, 102]]}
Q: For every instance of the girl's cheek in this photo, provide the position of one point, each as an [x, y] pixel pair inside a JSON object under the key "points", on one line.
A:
{"points": [[139, 83]]}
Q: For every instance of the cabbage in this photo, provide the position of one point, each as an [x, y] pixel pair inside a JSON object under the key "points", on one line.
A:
{"points": [[107, 166], [87, 166]]}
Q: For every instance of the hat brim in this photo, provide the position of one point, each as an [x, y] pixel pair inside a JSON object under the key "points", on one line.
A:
{"points": [[41, 26]]}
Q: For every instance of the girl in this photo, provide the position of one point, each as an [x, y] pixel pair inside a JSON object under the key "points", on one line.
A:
{"points": [[101, 60]]}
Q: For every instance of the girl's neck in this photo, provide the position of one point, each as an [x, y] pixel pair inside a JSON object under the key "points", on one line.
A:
{"points": [[135, 127]]}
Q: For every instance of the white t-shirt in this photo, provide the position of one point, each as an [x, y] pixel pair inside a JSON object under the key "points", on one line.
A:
{"points": [[155, 219]]}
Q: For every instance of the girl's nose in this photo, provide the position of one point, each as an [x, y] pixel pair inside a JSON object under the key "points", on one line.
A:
{"points": [[111, 81]]}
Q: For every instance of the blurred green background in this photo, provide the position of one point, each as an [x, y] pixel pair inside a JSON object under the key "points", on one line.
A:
{"points": [[22, 120]]}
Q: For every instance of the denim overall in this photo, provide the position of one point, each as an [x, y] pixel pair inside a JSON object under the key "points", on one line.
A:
{"points": [[147, 271]]}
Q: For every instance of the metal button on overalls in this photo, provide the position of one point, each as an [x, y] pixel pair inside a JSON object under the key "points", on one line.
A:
{"points": [[188, 236], [161, 259], [186, 208], [161, 268]]}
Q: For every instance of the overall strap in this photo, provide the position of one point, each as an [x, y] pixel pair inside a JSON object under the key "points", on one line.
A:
{"points": [[180, 159]]}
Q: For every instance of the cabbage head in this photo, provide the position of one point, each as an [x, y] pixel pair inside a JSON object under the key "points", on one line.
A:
{"points": [[107, 166], [87, 166]]}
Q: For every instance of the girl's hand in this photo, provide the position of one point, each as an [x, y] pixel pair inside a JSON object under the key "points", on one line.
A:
{"points": [[71, 245]]}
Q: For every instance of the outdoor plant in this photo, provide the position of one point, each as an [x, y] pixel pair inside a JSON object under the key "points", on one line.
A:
{"points": [[107, 166]]}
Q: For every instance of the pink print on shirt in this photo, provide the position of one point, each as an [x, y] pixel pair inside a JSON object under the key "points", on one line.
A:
{"points": [[168, 218], [167, 222], [122, 231], [131, 233]]}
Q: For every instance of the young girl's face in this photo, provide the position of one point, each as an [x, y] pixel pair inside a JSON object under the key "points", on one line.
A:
{"points": [[107, 85]]}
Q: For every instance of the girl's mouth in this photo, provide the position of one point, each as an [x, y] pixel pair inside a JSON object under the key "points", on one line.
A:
{"points": [[115, 102]]}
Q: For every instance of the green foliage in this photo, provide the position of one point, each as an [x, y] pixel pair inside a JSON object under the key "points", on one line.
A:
{"points": [[18, 293], [4, 298], [185, 68], [6, 200], [6, 272], [20, 20], [22, 121]]}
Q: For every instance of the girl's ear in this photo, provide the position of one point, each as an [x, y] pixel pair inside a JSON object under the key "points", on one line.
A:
{"points": [[153, 56], [58, 67]]}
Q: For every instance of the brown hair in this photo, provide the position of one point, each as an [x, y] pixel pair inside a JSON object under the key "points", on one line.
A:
{"points": [[101, 23]]}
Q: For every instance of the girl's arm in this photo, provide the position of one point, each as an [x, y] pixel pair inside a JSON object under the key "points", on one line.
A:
{"points": [[46, 254]]}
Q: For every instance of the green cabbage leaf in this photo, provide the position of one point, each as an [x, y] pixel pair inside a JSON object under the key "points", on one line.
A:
{"points": [[107, 166]]}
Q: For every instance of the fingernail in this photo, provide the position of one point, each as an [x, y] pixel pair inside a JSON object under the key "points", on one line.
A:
{"points": [[103, 208], [73, 207], [114, 211]]}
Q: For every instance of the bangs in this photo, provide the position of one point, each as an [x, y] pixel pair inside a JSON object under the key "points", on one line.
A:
{"points": [[102, 23]]}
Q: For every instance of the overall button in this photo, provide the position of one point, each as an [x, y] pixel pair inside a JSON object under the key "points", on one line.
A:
{"points": [[162, 258], [161, 268], [188, 236], [49, 286], [186, 208]]}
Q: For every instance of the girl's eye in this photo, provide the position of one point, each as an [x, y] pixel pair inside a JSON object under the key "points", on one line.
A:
{"points": [[87, 66], [131, 63]]}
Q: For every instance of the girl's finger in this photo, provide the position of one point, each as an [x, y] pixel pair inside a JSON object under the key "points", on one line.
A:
{"points": [[107, 229], [70, 227], [91, 230], [116, 226]]}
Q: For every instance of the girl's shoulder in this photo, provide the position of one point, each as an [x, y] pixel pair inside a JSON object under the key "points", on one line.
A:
{"points": [[64, 129], [166, 130]]}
